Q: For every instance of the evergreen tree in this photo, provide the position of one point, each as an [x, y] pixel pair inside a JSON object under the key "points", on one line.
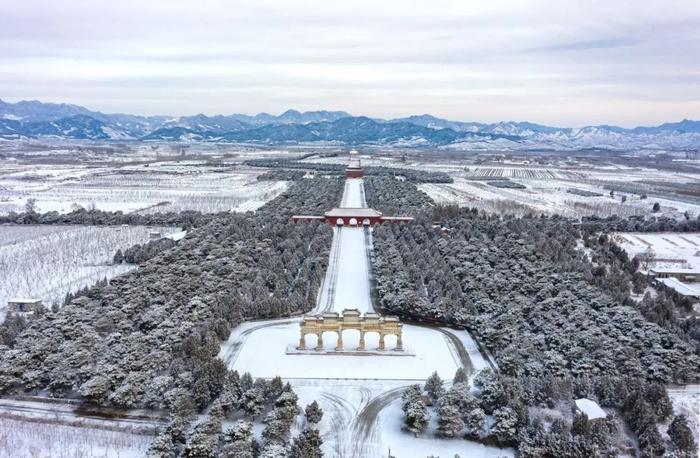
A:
{"points": [[434, 386], [580, 425], [307, 444], [449, 421], [475, 420], [239, 441], [681, 434], [416, 416], [505, 425], [313, 413], [162, 446], [461, 376], [253, 401]]}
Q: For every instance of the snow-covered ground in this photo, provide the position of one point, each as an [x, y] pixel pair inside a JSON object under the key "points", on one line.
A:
{"points": [[351, 288], [425, 351], [550, 195], [33, 427], [47, 262], [674, 250], [20, 438], [402, 444], [153, 187], [358, 393], [353, 196]]}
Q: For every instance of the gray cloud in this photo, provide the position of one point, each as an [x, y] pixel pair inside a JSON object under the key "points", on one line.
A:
{"points": [[572, 63]]}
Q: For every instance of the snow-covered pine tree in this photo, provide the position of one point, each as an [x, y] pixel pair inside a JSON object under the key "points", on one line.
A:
{"points": [[681, 434], [307, 445], [449, 421], [434, 386], [313, 413], [416, 416]]}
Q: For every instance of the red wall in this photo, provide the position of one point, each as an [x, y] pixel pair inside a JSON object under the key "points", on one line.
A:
{"points": [[354, 173]]}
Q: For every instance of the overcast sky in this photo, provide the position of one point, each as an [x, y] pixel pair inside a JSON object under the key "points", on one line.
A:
{"points": [[564, 63]]}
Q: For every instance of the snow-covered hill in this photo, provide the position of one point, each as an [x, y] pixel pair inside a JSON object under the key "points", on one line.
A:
{"points": [[34, 119]]}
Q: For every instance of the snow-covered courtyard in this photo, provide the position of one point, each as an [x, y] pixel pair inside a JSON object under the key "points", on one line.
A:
{"points": [[425, 351]]}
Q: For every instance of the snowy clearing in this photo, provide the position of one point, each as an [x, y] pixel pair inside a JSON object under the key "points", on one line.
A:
{"points": [[353, 196], [432, 352], [570, 189]]}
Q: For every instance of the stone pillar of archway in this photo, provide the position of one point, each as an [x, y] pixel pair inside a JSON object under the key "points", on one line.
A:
{"points": [[302, 341], [319, 344], [362, 341], [399, 342], [381, 341], [339, 347]]}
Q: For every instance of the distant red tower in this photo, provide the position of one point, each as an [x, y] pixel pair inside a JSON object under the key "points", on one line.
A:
{"points": [[354, 168]]}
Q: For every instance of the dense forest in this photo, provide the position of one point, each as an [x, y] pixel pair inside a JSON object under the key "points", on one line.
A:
{"points": [[412, 175], [558, 323], [151, 336], [281, 174], [227, 429], [94, 217], [640, 224], [499, 411]]}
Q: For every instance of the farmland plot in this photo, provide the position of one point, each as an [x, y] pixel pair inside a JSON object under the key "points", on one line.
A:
{"points": [[45, 440], [524, 172], [48, 262], [157, 188], [670, 250], [551, 196]]}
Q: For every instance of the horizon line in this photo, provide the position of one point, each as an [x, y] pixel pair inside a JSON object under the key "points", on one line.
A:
{"points": [[394, 119]]}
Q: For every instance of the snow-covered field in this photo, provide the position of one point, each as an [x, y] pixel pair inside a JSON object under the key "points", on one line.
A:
{"points": [[33, 427], [523, 173], [19, 438], [153, 187], [47, 262], [550, 195], [673, 250]]}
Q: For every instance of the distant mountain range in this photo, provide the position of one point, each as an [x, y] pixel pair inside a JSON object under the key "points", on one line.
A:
{"points": [[35, 120]]}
